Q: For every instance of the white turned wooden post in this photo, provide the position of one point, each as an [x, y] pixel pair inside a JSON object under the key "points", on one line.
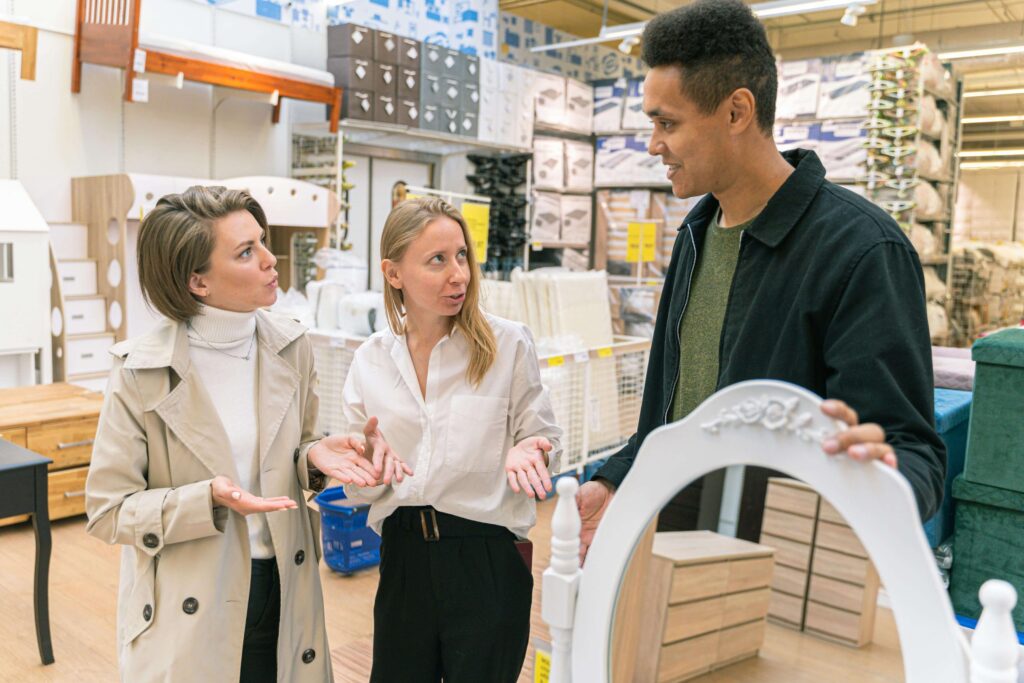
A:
{"points": [[994, 647], [561, 580]]}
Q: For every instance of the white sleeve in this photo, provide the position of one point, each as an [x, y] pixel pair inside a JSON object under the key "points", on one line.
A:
{"points": [[355, 418], [532, 414]]}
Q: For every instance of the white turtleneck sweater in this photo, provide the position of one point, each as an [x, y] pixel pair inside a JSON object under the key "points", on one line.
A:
{"points": [[218, 341]]}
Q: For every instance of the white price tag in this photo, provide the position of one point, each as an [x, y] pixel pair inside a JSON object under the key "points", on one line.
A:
{"points": [[140, 90], [581, 356], [139, 64]]}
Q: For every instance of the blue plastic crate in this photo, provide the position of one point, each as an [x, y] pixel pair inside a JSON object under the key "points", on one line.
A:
{"points": [[349, 545], [952, 413], [591, 468]]}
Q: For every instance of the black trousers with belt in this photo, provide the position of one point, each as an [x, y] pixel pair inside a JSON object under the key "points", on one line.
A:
{"points": [[453, 601], [262, 620]]}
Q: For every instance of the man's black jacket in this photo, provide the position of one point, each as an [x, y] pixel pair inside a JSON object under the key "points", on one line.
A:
{"points": [[828, 294]]}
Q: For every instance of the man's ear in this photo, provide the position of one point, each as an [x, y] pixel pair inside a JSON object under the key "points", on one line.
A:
{"points": [[742, 110], [390, 270], [197, 285]]}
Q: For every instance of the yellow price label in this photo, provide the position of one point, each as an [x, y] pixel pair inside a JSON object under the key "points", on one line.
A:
{"points": [[411, 195], [542, 667], [604, 353], [556, 361], [641, 238], [478, 219]]}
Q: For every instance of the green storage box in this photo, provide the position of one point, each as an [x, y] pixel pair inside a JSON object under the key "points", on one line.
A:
{"points": [[995, 442], [988, 544]]}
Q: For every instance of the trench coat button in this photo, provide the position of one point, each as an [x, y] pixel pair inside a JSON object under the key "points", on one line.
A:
{"points": [[308, 656], [190, 606], [147, 612], [150, 540], [300, 557], [295, 455]]}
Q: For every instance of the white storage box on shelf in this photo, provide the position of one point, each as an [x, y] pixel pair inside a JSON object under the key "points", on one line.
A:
{"points": [[579, 165], [633, 116], [548, 163], [549, 93], [609, 99], [844, 86], [799, 84], [579, 106], [546, 225], [577, 218]]}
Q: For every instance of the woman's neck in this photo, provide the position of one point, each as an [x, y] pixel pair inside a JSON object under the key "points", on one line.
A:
{"points": [[220, 326], [426, 329]]}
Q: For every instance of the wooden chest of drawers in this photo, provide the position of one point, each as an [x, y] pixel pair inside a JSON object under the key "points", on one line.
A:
{"points": [[705, 602], [57, 421], [824, 582]]}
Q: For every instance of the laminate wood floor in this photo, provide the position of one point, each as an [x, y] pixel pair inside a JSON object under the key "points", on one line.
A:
{"points": [[83, 598]]}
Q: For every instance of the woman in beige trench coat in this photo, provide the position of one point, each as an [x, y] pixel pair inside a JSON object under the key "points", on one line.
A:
{"points": [[170, 458]]}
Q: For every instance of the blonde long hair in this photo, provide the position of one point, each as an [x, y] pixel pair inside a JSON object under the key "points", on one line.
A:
{"points": [[404, 224]]}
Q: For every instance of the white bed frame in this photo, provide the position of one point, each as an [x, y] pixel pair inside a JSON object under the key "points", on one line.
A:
{"points": [[776, 425]]}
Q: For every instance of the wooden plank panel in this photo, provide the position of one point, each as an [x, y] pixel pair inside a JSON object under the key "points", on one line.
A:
{"points": [[654, 605], [800, 500], [67, 443], [67, 492], [787, 525], [15, 435], [839, 538], [745, 575], [788, 553], [789, 580], [738, 643], [843, 567], [787, 608], [828, 513], [743, 607], [693, 619], [847, 596], [687, 658], [694, 582], [634, 609], [839, 624]]}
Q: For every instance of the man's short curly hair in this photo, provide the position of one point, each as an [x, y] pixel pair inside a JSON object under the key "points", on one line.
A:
{"points": [[720, 47]]}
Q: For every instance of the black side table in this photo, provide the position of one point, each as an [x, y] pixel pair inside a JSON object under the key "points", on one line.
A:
{"points": [[23, 490]]}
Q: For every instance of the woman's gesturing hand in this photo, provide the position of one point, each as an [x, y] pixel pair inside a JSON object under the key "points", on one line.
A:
{"points": [[228, 494], [385, 461], [343, 457], [526, 467]]}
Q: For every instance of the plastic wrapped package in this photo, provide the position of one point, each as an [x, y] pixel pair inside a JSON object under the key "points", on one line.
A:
{"points": [[294, 304], [362, 314], [923, 240], [933, 122], [935, 76], [929, 202], [929, 161], [938, 322], [934, 287]]}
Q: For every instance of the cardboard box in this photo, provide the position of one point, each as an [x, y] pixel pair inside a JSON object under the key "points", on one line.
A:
{"points": [[841, 149], [432, 60], [844, 87], [386, 48], [620, 157], [358, 105], [469, 68], [408, 82], [430, 118], [409, 113], [470, 124], [489, 123], [385, 81], [548, 163], [549, 98], [577, 218], [452, 63], [633, 116], [430, 89], [609, 98], [350, 40], [579, 165], [451, 93], [797, 136], [352, 73], [451, 120], [579, 106], [470, 97], [799, 82], [410, 51], [546, 222], [490, 75], [385, 109]]}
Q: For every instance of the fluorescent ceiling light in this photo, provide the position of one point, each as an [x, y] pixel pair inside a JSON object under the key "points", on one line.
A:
{"points": [[966, 154], [991, 119], [981, 165], [982, 52], [763, 10], [994, 93]]}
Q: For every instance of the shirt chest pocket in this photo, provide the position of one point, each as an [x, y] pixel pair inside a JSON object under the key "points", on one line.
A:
{"points": [[476, 433]]}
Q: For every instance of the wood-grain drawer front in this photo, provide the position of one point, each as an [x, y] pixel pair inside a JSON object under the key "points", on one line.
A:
{"points": [[85, 316], [739, 642], [833, 622], [788, 608], [15, 435], [799, 501], [696, 581], [691, 619], [67, 492], [745, 575], [67, 443], [77, 278], [839, 538], [743, 607], [843, 567], [687, 658], [848, 596], [827, 513], [89, 355], [787, 525], [789, 580], [789, 553]]}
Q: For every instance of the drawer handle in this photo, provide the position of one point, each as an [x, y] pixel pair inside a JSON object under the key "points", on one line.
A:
{"points": [[78, 316], [74, 494], [75, 444], [86, 355], [68, 278]]}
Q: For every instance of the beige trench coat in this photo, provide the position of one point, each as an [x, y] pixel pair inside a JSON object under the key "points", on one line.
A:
{"points": [[185, 568]]}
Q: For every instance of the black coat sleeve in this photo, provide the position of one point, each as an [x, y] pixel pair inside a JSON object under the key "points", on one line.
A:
{"points": [[877, 351]]}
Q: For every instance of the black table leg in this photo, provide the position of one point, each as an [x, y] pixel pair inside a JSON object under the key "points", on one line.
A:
{"points": [[41, 523]]}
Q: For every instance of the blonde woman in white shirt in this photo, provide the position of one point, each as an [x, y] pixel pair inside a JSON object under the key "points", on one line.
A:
{"points": [[470, 442]]}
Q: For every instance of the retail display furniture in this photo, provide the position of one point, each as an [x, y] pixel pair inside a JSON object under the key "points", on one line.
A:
{"points": [[17, 36], [952, 416]]}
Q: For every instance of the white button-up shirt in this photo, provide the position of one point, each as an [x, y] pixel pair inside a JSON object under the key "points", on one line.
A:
{"points": [[456, 437]]}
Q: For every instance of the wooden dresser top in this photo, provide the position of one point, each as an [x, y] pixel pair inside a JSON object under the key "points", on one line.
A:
{"points": [[28, 406]]}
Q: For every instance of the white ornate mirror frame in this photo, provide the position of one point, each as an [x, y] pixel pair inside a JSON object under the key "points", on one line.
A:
{"points": [[780, 426]]}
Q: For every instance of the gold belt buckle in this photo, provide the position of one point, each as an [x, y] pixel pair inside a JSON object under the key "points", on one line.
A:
{"points": [[430, 532]]}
